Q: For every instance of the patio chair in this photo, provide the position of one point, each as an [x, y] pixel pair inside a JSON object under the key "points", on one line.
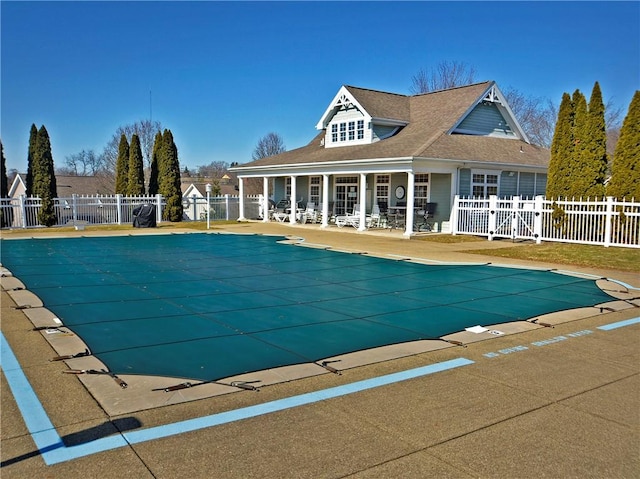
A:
{"points": [[351, 219], [310, 214], [279, 213], [374, 219], [423, 224]]}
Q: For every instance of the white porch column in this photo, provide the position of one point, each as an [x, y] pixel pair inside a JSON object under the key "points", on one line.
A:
{"points": [[265, 199], [362, 210], [411, 181], [294, 203], [325, 201], [240, 200]]}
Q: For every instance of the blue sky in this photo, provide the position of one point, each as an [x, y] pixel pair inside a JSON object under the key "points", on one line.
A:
{"points": [[221, 75]]}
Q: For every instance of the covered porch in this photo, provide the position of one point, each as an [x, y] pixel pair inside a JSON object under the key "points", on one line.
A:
{"points": [[398, 198]]}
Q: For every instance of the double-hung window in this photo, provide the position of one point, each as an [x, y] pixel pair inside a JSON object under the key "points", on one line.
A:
{"points": [[484, 184]]}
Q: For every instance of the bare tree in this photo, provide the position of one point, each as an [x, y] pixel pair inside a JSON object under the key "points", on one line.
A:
{"points": [[85, 163], [536, 115], [146, 131], [215, 169], [447, 74], [269, 145]]}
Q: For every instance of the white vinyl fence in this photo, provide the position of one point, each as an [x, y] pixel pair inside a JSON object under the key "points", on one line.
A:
{"points": [[606, 222], [22, 212]]}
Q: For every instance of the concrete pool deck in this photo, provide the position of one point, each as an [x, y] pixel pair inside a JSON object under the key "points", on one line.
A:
{"points": [[555, 402]]}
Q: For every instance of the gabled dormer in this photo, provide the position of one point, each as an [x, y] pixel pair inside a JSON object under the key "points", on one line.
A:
{"points": [[490, 116], [351, 117]]}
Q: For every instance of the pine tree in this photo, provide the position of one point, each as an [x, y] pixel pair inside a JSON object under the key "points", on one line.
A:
{"points": [[6, 216], [559, 173], [169, 173], [33, 137], [136, 168], [594, 152], [625, 170], [122, 166], [154, 187], [44, 180]]}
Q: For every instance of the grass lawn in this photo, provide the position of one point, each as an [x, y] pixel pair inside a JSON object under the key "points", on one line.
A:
{"points": [[621, 259]]}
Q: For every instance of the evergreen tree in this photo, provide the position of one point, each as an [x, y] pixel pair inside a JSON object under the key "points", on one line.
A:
{"points": [[136, 168], [576, 161], [559, 173], [6, 216], [169, 173], [44, 180], [154, 187], [594, 152], [122, 166], [33, 136], [625, 170]]}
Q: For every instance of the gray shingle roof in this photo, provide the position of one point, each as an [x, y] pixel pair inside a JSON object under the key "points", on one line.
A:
{"points": [[431, 116]]}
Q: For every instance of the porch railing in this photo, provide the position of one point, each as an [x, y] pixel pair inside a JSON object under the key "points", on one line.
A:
{"points": [[606, 222]]}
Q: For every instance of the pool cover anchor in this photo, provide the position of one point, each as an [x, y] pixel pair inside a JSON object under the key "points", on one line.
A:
{"points": [[120, 382], [246, 385], [325, 364], [84, 353]]}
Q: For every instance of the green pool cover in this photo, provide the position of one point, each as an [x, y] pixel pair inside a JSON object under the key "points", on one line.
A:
{"points": [[209, 306]]}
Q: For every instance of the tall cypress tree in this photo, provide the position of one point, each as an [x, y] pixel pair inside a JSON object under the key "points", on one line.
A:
{"points": [[122, 166], [44, 180], [594, 152], [33, 137], [136, 168], [559, 173], [154, 187], [169, 172], [625, 170], [577, 159]]}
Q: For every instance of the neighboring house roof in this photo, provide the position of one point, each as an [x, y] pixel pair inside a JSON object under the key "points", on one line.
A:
{"points": [[189, 186], [69, 185], [434, 130], [84, 185]]}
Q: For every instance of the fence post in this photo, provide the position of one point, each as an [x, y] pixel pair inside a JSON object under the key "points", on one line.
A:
{"points": [[119, 209], [453, 217], [537, 218], [515, 216], [226, 207], [493, 205], [23, 211], [607, 222], [158, 208], [74, 208]]}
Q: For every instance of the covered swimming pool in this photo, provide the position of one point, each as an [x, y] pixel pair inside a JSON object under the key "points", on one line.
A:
{"points": [[210, 306]]}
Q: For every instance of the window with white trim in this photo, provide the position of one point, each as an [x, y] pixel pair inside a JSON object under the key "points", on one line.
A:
{"points": [[315, 186], [347, 131], [421, 189], [382, 190], [484, 184]]}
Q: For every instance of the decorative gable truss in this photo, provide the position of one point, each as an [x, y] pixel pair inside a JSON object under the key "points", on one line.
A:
{"points": [[490, 116], [346, 123]]}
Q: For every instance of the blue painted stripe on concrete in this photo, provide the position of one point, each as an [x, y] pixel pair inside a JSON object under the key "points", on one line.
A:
{"points": [[34, 415], [54, 451], [620, 324], [287, 403]]}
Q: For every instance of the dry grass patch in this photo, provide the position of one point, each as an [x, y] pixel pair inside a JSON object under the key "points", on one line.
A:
{"points": [[616, 258]]}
